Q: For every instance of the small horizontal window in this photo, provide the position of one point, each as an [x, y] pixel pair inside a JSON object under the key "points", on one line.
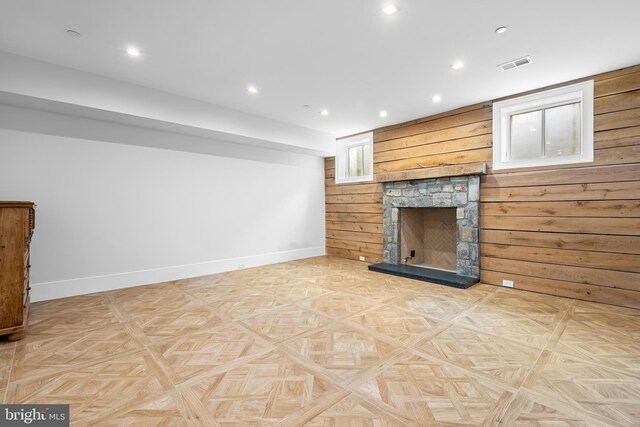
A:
{"points": [[354, 159], [553, 127]]}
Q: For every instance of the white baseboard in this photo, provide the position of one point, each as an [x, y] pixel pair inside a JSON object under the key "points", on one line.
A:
{"points": [[88, 285]]}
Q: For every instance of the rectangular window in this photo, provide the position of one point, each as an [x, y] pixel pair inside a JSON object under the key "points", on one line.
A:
{"points": [[354, 159], [553, 127]]}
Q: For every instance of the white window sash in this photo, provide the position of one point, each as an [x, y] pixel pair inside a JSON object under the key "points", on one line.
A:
{"points": [[503, 111], [342, 148]]}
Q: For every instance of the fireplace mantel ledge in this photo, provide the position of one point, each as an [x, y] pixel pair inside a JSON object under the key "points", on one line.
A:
{"points": [[435, 172]]}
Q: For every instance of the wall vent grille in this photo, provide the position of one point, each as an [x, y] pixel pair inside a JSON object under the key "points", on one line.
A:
{"points": [[516, 63]]}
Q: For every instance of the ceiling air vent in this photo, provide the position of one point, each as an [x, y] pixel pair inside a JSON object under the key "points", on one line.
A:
{"points": [[516, 63]]}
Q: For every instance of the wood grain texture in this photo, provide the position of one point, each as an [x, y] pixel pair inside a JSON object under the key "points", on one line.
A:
{"points": [[341, 346], [617, 137], [582, 175], [351, 226], [574, 216], [610, 86], [627, 190], [445, 159], [587, 275], [446, 146], [396, 146], [354, 217], [555, 224], [17, 221], [580, 242], [594, 208], [592, 259], [354, 198], [622, 101], [568, 289], [355, 189], [472, 116], [432, 172]]}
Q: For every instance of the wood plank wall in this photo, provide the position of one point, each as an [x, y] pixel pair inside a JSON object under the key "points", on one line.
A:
{"points": [[569, 230]]}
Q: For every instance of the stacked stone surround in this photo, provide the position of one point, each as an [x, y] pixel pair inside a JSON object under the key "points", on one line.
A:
{"points": [[461, 192]]}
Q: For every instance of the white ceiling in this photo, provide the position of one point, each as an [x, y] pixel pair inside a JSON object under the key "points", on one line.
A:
{"points": [[342, 55]]}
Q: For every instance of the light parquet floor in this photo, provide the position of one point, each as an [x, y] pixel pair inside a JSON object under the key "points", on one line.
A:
{"points": [[324, 342]]}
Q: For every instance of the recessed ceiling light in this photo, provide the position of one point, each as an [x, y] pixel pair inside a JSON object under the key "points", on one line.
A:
{"points": [[383, 113], [252, 89], [533, 129], [73, 33], [459, 65], [133, 51], [390, 9], [501, 30], [436, 98], [324, 112]]}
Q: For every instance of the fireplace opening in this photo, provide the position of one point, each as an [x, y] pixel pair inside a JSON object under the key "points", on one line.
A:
{"points": [[428, 238]]}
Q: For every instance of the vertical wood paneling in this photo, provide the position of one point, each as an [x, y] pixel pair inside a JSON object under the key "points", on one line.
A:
{"points": [[569, 230]]}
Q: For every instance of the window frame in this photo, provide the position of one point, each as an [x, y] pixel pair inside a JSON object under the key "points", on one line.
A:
{"points": [[342, 154], [581, 93]]}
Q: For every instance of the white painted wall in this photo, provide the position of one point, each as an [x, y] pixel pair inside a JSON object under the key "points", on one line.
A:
{"points": [[116, 214], [28, 77]]}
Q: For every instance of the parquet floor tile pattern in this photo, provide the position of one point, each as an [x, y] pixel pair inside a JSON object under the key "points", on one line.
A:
{"points": [[325, 342]]}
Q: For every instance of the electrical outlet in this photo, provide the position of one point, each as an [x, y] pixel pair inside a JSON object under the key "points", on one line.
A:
{"points": [[507, 283], [361, 258], [240, 266]]}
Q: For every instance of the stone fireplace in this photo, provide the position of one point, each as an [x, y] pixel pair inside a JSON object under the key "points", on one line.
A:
{"points": [[431, 229]]}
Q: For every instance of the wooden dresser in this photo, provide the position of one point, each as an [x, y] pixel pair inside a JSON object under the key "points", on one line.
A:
{"points": [[17, 221]]}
